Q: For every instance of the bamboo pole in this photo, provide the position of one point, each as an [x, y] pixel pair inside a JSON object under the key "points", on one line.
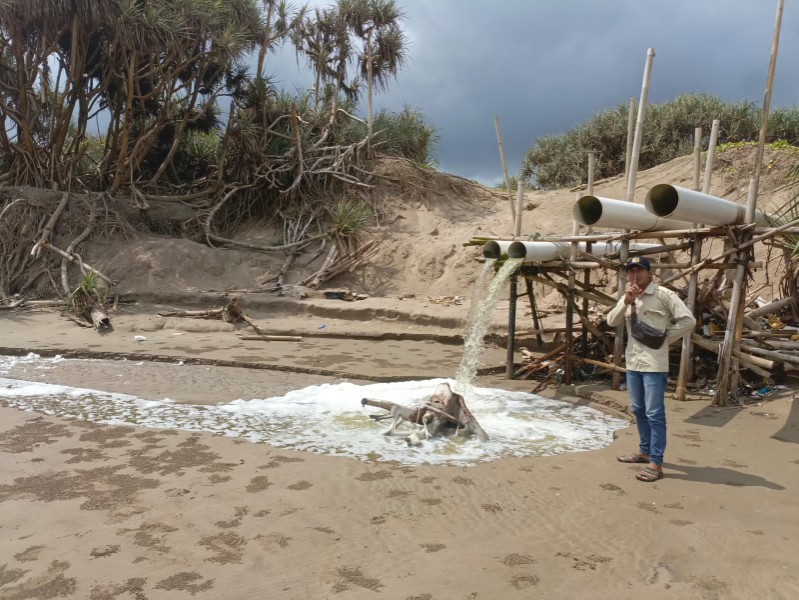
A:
{"points": [[711, 156], [629, 196], [697, 156], [759, 238], [727, 376], [504, 167], [761, 141], [587, 272], [517, 222], [771, 307], [628, 151], [686, 366], [579, 292], [533, 309], [511, 326], [760, 366], [773, 355], [567, 364], [601, 364]]}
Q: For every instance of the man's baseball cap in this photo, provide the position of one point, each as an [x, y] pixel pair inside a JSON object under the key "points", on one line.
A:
{"points": [[638, 261]]}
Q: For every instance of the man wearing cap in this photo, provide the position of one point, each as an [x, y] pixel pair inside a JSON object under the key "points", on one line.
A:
{"points": [[655, 317]]}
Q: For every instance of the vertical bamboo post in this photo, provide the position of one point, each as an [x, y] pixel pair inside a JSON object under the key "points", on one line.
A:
{"points": [[697, 157], [686, 367], [517, 223], [629, 148], [534, 311], [567, 374], [587, 272], [618, 346], [761, 141], [734, 323], [727, 376], [711, 156], [735, 318], [511, 328], [504, 167]]}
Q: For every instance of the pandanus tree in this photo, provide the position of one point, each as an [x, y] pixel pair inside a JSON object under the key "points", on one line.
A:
{"points": [[147, 68], [384, 45], [281, 20]]}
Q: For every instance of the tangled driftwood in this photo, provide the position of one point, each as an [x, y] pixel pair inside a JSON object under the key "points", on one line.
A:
{"points": [[444, 412]]}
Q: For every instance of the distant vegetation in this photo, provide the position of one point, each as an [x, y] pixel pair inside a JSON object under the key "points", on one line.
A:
{"points": [[562, 160]]}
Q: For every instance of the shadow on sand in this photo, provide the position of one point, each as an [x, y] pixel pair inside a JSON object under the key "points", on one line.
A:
{"points": [[718, 475]]}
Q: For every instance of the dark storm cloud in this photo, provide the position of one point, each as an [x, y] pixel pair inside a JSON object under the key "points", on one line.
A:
{"points": [[544, 66]]}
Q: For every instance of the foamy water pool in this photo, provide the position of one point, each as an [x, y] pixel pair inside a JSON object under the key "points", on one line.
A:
{"points": [[329, 419]]}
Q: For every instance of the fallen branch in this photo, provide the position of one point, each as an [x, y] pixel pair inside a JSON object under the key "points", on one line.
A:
{"points": [[272, 338]]}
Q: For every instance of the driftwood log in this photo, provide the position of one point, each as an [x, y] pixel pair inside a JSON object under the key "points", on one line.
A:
{"points": [[443, 412], [231, 312]]}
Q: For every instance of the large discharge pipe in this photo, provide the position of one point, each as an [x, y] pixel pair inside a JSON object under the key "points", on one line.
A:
{"points": [[594, 211], [546, 251], [539, 252], [666, 200]]}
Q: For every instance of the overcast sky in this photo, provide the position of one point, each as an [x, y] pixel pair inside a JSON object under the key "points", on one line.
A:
{"points": [[544, 66]]}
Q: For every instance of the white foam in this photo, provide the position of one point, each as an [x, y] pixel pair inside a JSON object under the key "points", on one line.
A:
{"points": [[329, 419]]}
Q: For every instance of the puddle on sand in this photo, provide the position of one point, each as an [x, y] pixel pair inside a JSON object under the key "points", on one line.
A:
{"points": [[326, 418]]}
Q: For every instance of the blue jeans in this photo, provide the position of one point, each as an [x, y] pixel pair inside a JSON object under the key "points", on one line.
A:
{"points": [[646, 392]]}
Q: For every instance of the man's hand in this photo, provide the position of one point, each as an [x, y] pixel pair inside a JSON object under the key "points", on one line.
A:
{"points": [[631, 293]]}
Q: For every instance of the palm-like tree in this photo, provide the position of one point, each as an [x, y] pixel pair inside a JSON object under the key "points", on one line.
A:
{"points": [[153, 65], [281, 20], [377, 24]]}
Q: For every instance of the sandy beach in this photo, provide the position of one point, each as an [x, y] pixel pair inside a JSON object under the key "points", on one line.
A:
{"points": [[118, 511]]}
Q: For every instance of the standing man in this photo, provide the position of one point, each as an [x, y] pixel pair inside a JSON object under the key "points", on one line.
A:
{"points": [[655, 317]]}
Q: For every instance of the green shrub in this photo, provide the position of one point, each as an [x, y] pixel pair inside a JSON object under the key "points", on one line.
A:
{"points": [[561, 160]]}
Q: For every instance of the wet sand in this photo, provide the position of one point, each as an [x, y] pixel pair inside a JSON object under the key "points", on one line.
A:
{"points": [[105, 511]]}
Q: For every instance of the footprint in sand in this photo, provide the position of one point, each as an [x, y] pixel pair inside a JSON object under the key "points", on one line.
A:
{"points": [[185, 582], [680, 522], [515, 560], [521, 582], [300, 485], [649, 506], [353, 576], [258, 484], [374, 476], [610, 487], [661, 574]]}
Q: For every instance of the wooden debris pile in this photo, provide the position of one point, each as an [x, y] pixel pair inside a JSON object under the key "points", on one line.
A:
{"points": [[445, 413], [758, 339]]}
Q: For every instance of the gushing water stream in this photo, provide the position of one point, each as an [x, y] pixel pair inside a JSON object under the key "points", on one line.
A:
{"points": [[480, 313]]}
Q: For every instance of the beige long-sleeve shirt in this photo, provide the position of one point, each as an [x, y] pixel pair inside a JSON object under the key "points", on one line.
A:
{"points": [[662, 309]]}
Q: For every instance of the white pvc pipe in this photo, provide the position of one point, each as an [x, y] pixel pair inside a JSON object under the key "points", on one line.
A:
{"points": [[606, 212], [496, 249], [546, 251], [666, 200]]}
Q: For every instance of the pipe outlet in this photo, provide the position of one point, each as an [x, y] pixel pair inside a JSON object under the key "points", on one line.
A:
{"points": [[665, 200], [495, 249], [594, 211]]}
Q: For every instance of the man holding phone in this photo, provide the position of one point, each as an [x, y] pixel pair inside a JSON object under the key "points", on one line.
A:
{"points": [[655, 317]]}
